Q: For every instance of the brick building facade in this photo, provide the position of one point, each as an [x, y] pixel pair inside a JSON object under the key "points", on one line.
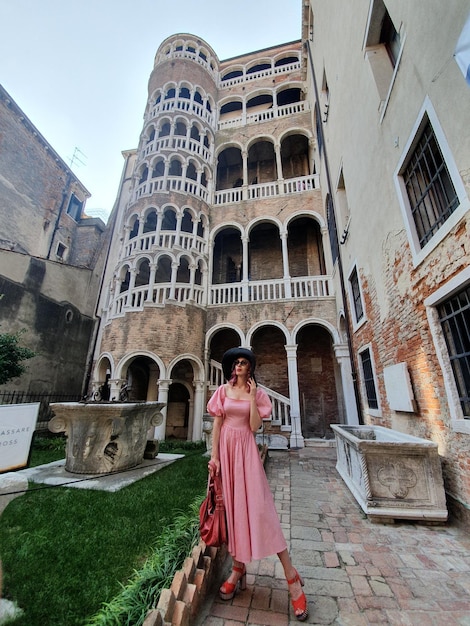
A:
{"points": [[51, 258], [394, 111]]}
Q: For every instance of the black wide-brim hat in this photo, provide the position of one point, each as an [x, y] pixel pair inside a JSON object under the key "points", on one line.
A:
{"points": [[232, 355]]}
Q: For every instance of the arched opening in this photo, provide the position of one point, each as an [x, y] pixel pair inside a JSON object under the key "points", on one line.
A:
{"points": [[317, 375], [228, 257], [178, 417], [305, 248], [294, 156], [222, 341], [261, 163], [143, 273], [150, 224], [229, 168], [141, 372], [163, 272], [265, 252]]}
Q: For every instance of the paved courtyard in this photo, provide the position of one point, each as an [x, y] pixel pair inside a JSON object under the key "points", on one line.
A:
{"points": [[356, 572]]}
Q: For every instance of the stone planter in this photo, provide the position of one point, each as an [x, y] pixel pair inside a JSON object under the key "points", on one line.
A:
{"points": [[104, 437], [392, 475]]}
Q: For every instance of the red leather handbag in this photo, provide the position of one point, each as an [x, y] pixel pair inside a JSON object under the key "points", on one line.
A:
{"points": [[212, 521]]}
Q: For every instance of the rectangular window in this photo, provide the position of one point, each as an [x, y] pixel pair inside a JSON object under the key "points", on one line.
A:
{"points": [[356, 296], [383, 47], [75, 208], [60, 252], [369, 383], [332, 231], [428, 184], [454, 316]]}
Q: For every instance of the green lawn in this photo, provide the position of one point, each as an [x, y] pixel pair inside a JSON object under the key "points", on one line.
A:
{"points": [[66, 551]]}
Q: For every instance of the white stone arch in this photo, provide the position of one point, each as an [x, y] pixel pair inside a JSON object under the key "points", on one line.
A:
{"points": [[259, 138], [262, 324], [131, 218], [127, 359], [305, 213], [260, 91], [265, 219], [295, 130], [315, 321], [146, 209], [164, 119], [230, 98], [237, 67], [122, 269], [220, 227], [258, 61], [225, 146], [284, 54], [181, 119], [171, 84], [165, 253], [141, 257], [149, 125], [223, 326], [99, 363], [199, 373]]}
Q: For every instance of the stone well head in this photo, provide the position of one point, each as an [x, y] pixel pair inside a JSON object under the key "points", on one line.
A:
{"points": [[104, 437]]}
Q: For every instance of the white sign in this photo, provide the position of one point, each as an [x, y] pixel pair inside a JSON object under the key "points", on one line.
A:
{"points": [[17, 425]]}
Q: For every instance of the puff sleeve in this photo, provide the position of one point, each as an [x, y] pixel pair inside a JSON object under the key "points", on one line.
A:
{"points": [[263, 403], [215, 406]]}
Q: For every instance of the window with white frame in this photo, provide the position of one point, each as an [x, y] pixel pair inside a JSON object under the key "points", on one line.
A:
{"points": [[369, 379], [383, 47], [356, 296], [454, 316], [430, 190], [448, 311]]}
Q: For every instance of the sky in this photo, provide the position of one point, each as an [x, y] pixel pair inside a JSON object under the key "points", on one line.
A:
{"points": [[79, 68]]}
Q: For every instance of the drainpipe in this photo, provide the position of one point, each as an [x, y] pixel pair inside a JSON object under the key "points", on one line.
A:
{"points": [[340, 263], [65, 194]]}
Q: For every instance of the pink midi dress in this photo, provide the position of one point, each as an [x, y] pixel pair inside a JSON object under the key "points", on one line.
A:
{"points": [[254, 529]]}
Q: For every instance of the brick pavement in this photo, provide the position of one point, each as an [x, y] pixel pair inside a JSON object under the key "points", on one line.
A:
{"points": [[356, 572]]}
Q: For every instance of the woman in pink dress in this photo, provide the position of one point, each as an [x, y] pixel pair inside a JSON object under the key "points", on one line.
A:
{"points": [[254, 529]]}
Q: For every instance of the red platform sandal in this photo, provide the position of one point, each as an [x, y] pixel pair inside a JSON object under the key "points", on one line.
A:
{"points": [[300, 605], [228, 590]]}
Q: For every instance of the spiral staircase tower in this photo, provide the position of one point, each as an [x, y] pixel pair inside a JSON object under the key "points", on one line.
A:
{"points": [[220, 239]]}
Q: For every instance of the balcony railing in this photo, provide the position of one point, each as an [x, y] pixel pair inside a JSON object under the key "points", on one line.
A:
{"points": [[158, 294], [305, 287], [183, 104], [165, 239], [268, 190], [270, 71], [176, 143], [265, 115], [171, 183], [280, 414]]}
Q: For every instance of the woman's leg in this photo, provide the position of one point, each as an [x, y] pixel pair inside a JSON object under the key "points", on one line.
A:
{"points": [[235, 574], [295, 586]]}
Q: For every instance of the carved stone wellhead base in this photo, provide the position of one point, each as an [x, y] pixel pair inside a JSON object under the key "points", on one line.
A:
{"points": [[105, 437], [392, 475]]}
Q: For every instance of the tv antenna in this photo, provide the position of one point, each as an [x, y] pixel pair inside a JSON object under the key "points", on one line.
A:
{"points": [[76, 157]]}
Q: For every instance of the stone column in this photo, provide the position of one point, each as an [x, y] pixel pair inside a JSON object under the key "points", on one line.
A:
{"points": [[296, 437], [343, 358], [163, 389], [199, 408], [245, 277], [285, 265]]}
